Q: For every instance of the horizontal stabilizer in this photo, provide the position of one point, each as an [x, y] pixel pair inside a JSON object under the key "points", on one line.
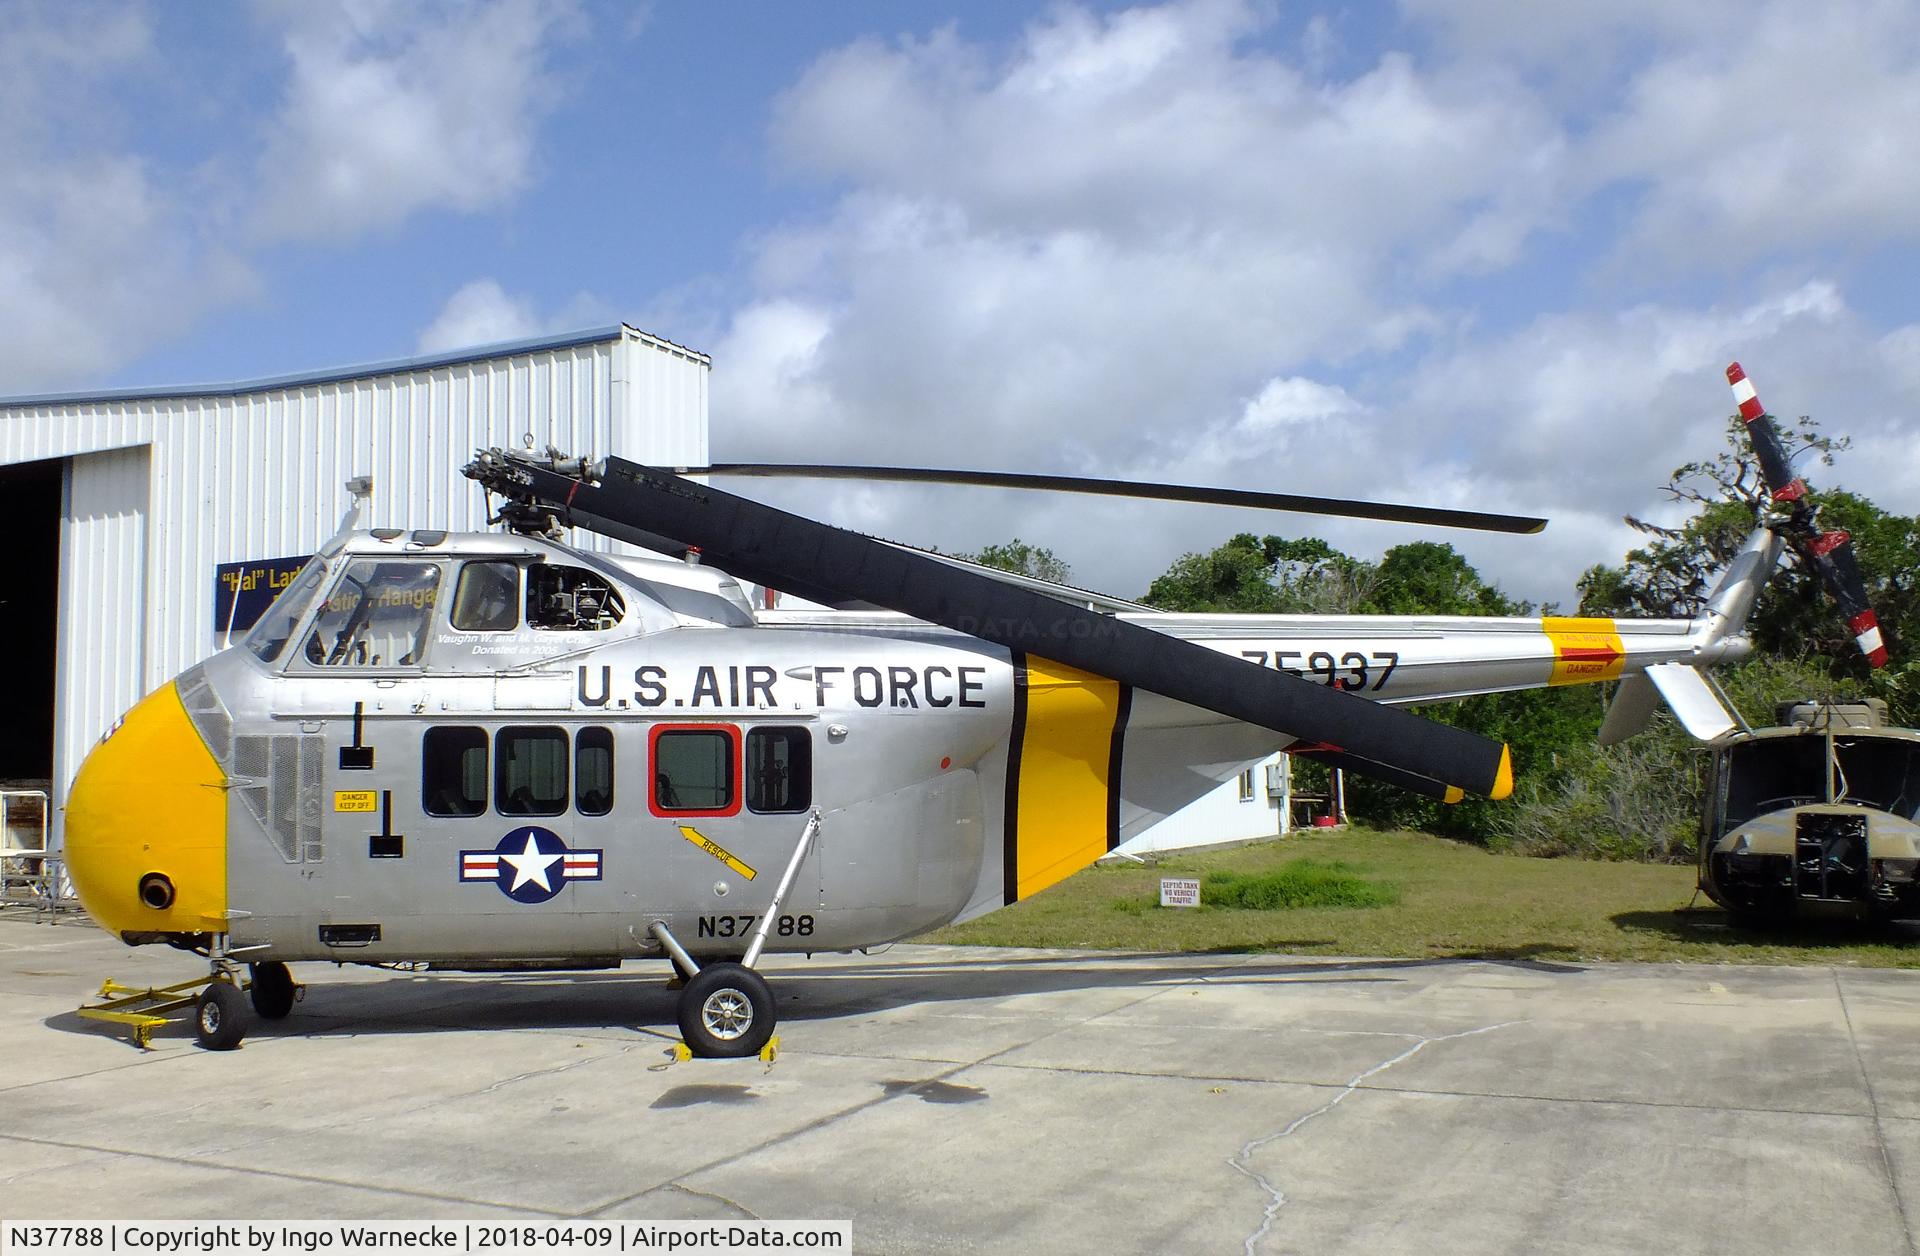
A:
{"points": [[1693, 702]]}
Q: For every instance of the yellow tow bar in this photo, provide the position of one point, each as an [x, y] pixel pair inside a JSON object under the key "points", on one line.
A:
{"points": [[143, 1008]]}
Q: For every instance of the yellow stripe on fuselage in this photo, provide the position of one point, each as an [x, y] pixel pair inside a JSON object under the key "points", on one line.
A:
{"points": [[1065, 760], [1584, 650]]}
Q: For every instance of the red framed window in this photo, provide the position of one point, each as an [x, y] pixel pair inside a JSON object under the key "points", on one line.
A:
{"points": [[695, 770]]}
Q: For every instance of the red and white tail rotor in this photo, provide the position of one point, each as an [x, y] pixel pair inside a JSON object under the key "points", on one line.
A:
{"points": [[1829, 553]]}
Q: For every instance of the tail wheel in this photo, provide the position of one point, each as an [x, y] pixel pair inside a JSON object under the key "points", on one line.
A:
{"points": [[272, 990], [221, 1019], [726, 1011]]}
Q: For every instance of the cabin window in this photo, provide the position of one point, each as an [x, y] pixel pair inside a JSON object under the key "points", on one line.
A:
{"points": [[453, 771], [487, 598], [1246, 785], [530, 772], [380, 614], [570, 599], [693, 770], [593, 771], [779, 770]]}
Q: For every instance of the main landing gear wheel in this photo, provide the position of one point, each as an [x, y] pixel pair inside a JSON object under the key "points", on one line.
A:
{"points": [[726, 1012], [220, 1021], [272, 990]]}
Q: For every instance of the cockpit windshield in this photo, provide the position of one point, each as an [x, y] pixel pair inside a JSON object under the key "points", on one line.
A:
{"points": [[379, 614], [1881, 772], [268, 639], [1775, 773], [1772, 774]]}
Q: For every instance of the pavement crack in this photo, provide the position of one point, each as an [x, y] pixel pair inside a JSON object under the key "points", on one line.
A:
{"points": [[740, 1208], [1873, 1105], [1240, 1161], [568, 1067]]}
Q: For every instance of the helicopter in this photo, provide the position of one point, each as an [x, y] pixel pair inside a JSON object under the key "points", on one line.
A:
{"points": [[498, 752], [1814, 817]]}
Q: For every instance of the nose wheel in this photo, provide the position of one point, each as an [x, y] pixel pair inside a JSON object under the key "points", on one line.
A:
{"points": [[227, 1007], [220, 1018]]}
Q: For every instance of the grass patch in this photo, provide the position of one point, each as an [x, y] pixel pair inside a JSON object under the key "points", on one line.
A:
{"points": [[1454, 900], [1301, 883]]}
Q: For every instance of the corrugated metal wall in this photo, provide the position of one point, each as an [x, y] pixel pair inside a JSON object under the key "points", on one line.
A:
{"points": [[259, 472], [100, 654]]}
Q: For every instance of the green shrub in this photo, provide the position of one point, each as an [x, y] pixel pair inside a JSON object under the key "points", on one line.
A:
{"points": [[1302, 883]]}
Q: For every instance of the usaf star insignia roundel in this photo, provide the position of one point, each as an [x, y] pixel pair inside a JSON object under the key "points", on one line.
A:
{"points": [[530, 865]]}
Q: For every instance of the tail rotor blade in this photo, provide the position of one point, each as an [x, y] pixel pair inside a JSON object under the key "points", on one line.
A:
{"points": [[1765, 438], [1829, 553]]}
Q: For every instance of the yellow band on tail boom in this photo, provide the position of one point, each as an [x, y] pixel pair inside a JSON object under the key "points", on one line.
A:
{"points": [[1064, 768]]}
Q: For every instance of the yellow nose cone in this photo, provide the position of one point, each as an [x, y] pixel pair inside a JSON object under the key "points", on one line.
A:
{"points": [[146, 839]]}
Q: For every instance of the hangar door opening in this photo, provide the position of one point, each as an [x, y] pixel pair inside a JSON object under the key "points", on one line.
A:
{"points": [[29, 619]]}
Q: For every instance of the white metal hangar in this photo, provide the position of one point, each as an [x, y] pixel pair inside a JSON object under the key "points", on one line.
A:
{"points": [[146, 520]]}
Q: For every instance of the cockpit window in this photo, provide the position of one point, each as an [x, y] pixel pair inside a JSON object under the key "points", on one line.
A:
{"points": [[1773, 774], [379, 614], [487, 597], [1879, 772], [570, 599], [270, 636]]}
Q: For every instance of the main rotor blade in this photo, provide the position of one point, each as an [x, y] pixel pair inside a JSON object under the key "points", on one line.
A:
{"points": [[768, 546], [1425, 786], [1431, 515]]}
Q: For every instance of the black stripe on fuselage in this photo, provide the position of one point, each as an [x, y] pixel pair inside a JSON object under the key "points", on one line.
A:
{"points": [[1016, 739], [1114, 754]]}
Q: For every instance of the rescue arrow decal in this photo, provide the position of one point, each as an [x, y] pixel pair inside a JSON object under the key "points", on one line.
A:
{"points": [[715, 849]]}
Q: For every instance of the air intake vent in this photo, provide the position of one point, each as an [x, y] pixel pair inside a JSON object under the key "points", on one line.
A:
{"points": [[279, 783]]}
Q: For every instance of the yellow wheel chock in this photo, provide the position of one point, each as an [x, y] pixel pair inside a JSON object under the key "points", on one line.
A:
{"points": [[680, 1053]]}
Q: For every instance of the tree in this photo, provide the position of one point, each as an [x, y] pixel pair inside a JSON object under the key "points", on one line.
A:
{"points": [[1271, 574], [1430, 578], [1236, 576], [1794, 618], [1023, 560], [1252, 575]]}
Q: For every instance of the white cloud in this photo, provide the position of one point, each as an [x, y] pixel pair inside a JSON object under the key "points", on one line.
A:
{"points": [[110, 245], [392, 108], [1296, 400], [482, 313], [1158, 122], [1794, 132], [1089, 253], [1089, 250], [100, 257], [479, 313], [1735, 129], [1125, 225]]}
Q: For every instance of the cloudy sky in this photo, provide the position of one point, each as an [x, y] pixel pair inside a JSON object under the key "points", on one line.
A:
{"points": [[1493, 254]]}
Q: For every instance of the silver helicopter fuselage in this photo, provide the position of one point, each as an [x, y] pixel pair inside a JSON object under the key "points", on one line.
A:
{"points": [[370, 777]]}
